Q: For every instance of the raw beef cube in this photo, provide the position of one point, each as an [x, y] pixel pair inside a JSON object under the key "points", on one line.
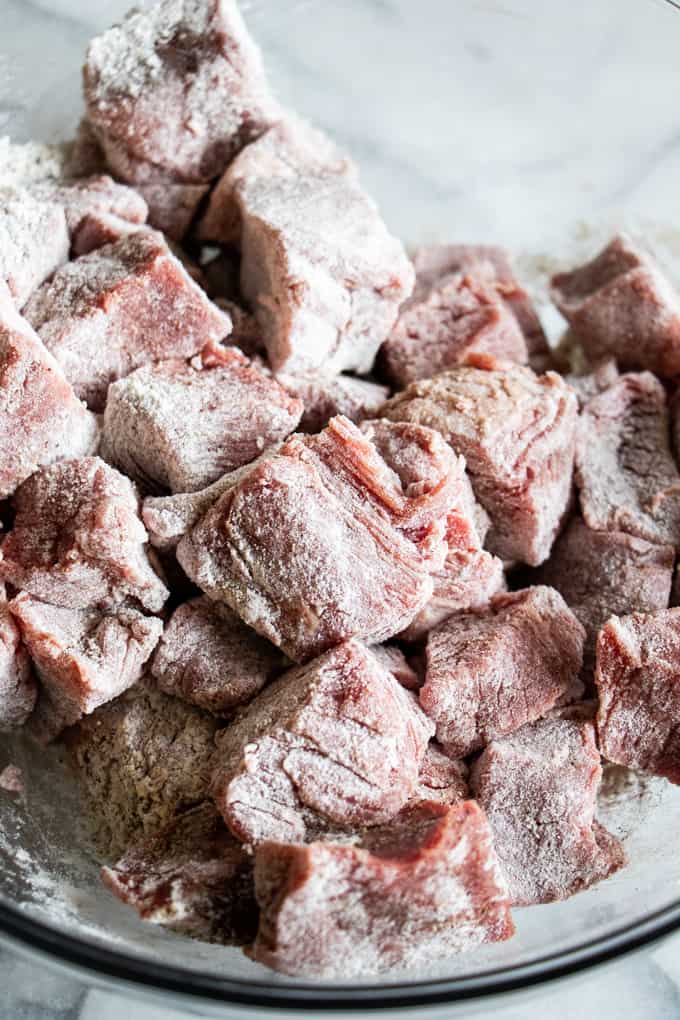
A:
{"points": [[624, 469], [83, 657], [172, 206], [490, 672], [335, 743], [441, 778], [96, 230], [193, 877], [169, 518], [590, 384], [443, 323], [41, 419], [92, 196], [180, 86], [210, 658], [321, 272], [357, 399], [245, 333], [142, 760], [180, 426], [602, 573], [638, 680], [288, 149], [621, 305], [77, 539], [516, 431], [18, 690], [539, 788], [490, 263], [421, 890], [33, 242], [393, 659], [325, 540], [120, 307]]}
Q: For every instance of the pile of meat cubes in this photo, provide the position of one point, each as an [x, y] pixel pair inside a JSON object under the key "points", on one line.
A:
{"points": [[333, 580]]}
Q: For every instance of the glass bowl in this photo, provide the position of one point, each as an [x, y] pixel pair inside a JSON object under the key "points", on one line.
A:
{"points": [[539, 126]]}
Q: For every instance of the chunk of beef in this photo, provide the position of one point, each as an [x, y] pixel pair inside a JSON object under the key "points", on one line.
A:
{"points": [[433, 263], [120, 307], [394, 660], [356, 399], [245, 333], [141, 760], [325, 540], [41, 419], [621, 305], [210, 658], [172, 206], [589, 384], [77, 539], [180, 426], [83, 657], [538, 788], [638, 680], [441, 324], [337, 742], [92, 196], [192, 877], [601, 573], [322, 273], [489, 672], [97, 229], [516, 431], [18, 690], [441, 778], [179, 86], [33, 242], [624, 469], [287, 149], [424, 889], [169, 518]]}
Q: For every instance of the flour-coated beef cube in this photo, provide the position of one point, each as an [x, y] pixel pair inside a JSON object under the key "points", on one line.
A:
{"points": [[180, 426], [78, 541], [208, 656], [336, 743], [441, 778], [92, 196], [41, 419], [638, 681], [516, 431], [538, 788], [393, 659], [119, 307], [421, 889], [323, 275], [489, 672], [18, 689], [621, 305], [356, 399], [588, 384], [34, 242], [624, 469], [192, 877], [83, 657]]}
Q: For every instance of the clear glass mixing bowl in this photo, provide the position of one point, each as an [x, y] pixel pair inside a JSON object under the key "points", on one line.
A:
{"points": [[530, 124]]}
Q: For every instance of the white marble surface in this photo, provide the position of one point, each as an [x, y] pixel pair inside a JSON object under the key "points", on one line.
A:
{"points": [[505, 120]]}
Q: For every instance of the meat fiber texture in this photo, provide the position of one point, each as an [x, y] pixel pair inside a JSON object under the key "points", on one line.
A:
{"points": [[638, 681], [624, 470], [289, 148], [424, 890], [83, 657], [621, 305], [78, 541], [180, 426], [122, 306], [34, 242], [179, 86], [323, 399], [142, 760], [492, 265], [208, 657], [490, 672], [443, 322], [323, 275], [538, 788], [516, 431], [18, 689], [41, 419], [192, 877], [606, 573], [326, 540], [337, 743]]}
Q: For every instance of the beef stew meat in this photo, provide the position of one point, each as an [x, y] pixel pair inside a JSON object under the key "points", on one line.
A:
{"points": [[18, 688], [323, 399], [638, 682], [34, 242]]}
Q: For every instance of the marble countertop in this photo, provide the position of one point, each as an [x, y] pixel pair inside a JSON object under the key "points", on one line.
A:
{"points": [[480, 120]]}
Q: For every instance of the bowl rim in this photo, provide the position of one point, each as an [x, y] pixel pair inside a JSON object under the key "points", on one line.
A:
{"points": [[150, 976]]}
